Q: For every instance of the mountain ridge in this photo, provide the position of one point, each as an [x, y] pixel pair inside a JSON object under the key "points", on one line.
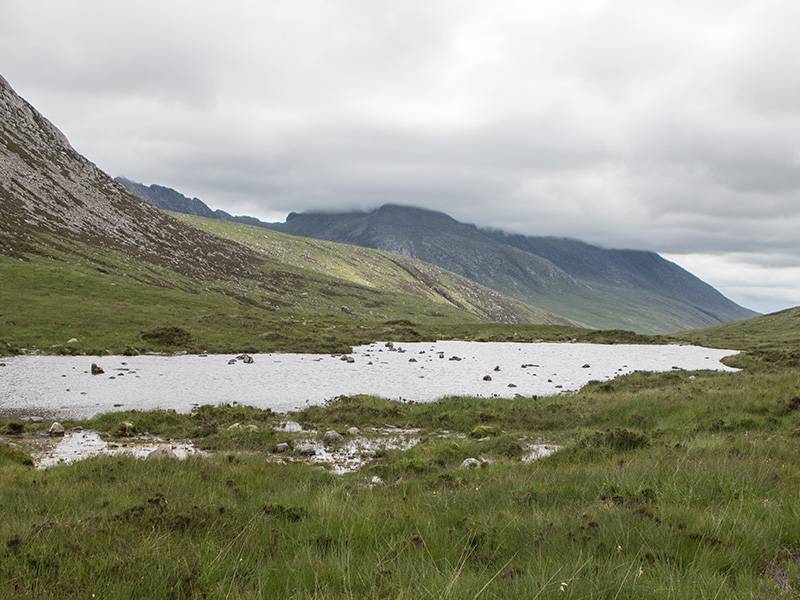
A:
{"points": [[599, 287], [588, 284]]}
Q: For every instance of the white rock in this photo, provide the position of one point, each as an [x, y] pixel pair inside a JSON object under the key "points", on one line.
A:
{"points": [[470, 463], [162, 453]]}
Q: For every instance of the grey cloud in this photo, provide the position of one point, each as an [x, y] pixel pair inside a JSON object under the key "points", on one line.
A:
{"points": [[671, 126]]}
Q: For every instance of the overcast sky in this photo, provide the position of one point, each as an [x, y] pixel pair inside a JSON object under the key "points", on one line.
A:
{"points": [[672, 126]]}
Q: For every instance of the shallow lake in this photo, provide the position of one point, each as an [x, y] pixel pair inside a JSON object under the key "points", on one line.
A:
{"points": [[425, 371]]}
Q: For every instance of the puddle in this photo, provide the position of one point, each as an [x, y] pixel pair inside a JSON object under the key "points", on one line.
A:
{"points": [[537, 451], [352, 453], [80, 445]]}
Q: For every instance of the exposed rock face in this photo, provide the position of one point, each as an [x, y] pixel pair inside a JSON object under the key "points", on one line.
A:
{"points": [[46, 187]]}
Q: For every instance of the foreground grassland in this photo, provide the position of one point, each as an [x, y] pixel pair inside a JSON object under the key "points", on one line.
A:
{"points": [[676, 485]]}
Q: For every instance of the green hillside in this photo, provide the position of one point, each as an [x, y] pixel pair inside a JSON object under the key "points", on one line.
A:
{"points": [[376, 270], [769, 340]]}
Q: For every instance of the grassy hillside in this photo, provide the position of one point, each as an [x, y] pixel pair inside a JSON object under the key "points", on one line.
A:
{"points": [[674, 485], [771, 340], [375, 270], [110, 302]]}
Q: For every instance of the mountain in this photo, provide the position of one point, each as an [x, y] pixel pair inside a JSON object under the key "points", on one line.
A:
{"points": [[82, 257], [594, 286], [169, 199]]}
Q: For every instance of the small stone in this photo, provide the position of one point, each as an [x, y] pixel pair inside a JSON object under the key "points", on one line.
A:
{"points": [[455, 358], [96, 370], [352, 431], [332, 437], [586, 366], [389, 345], [281, 447], [346, 309], [162, 453], [412, 360], [35, 419], [497, 369], [512, 385], [72, 340], [56, 429], [306, 450], [234, 427], [470, 463], [232, 361], [487, 377]]}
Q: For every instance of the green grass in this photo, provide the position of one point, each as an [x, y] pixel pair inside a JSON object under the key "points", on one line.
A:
{"points": [[675, 485], [110, 304]]}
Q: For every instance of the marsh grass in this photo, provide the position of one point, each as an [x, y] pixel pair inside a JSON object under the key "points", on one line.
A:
{"points": [[672, 485]]}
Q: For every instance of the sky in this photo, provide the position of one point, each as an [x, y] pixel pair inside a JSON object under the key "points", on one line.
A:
{"points": [[671, 126]]}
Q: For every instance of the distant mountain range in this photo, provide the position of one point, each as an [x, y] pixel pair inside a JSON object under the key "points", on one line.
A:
{"points": [[594, 286], [168, 199]]}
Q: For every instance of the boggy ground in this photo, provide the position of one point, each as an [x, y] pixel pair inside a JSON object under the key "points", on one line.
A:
{"points": [[677, 485]]}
